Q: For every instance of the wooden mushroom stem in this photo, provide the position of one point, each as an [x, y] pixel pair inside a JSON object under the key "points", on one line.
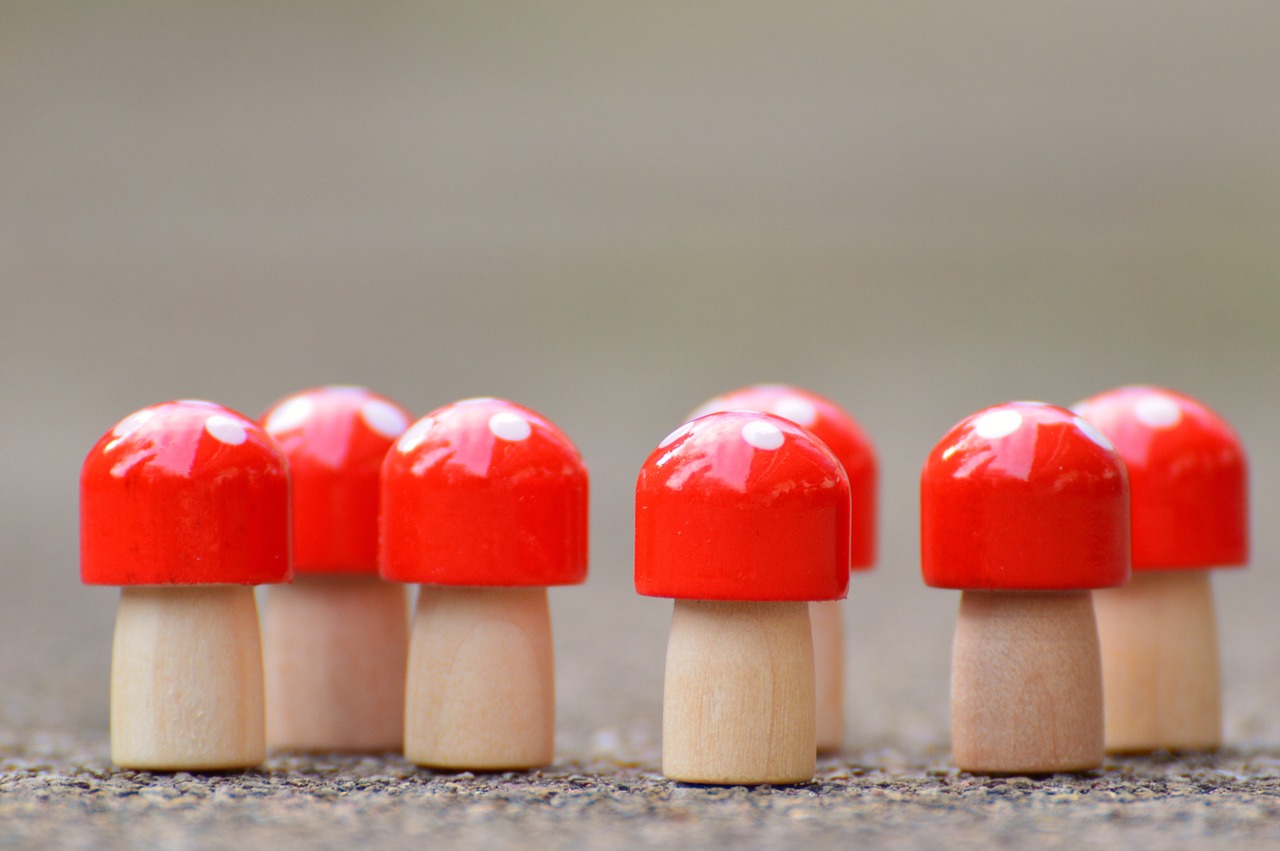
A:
{"points": [[481, 687], [335, 652], [738, 704], [1159, 638], [1026, 684], [827, 617], [186, 679]]}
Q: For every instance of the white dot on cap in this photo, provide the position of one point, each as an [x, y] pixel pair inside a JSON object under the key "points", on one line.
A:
{"points": [[1095, 434], [763, 435], [997, 424], [291, 414], [509, 426], [799, 411], [1157, 411], [384, 418], [226, 430]]}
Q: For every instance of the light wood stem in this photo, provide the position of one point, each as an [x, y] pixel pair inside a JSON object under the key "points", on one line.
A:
{"points": [[738, 704], [336, 651], [1026, 683], [827, 618], [186, 679], [481, 688], [1160, 669]]}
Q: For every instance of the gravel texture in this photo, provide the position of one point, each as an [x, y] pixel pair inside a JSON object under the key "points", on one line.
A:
{"points": [[65, 794]]}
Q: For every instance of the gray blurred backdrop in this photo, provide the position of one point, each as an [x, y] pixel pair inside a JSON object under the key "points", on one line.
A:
{"points": [[610, 212]]}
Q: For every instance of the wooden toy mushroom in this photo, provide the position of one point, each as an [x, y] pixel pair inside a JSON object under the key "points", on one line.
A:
{"points": [[843, 436], [484, 503], [1159, 636], [185, 505], [1024, 506], [743, 518], [336, 640]]}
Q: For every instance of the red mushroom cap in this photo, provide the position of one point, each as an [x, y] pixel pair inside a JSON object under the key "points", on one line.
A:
{"points": [[335, 439], [184, 493], [484, 493], [1187, 475], [838, 430], [742, 505], [1024, 496]]}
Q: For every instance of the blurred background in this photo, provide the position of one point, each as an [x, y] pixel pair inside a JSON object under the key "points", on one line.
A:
{"points": [[610, 212]]}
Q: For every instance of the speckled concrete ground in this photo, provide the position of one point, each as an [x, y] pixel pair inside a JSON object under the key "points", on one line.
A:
{"points": [[61, 793]]}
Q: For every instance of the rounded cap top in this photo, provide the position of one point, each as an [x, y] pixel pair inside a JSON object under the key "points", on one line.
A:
{"points": [[742, 505], [184, 493], [1024, 496], [1187, 475], [838, 430], [335, 439], [484, 493]]}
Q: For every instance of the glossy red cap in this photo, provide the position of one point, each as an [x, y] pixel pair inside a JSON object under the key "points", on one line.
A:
{"points": [[1187, 474], [1024, 496], [484, 493], [838, 430], [184, 493], [335, 439], [742, 505]]}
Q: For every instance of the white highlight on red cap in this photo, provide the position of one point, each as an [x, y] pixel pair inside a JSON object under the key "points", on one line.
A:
{"points": [[508, 426], [133, 422], [291, 414], [1092, 432], [384, 418], [128, 426], [226, 430], [763, 435], [997, 424], [1157, 411], [413, 438], [799, 411], [676, 435]]}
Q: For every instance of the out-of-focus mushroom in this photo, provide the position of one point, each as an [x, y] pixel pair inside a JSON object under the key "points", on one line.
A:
{"points": [[186, 506], [1159, 634], [1024, 507], [484, 503], [743, 518], [336, 639], [843, 436]]}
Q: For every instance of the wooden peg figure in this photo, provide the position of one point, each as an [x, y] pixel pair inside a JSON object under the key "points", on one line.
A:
{"points": [[484, 505], [743, 518], [185, 505], [1024, 507]]}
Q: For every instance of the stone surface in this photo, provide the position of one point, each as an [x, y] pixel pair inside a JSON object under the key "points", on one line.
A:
{"points": [[57, 791]]}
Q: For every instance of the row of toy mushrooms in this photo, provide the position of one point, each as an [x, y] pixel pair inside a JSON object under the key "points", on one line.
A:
{"points": [[187, 505], [750, 515]]}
